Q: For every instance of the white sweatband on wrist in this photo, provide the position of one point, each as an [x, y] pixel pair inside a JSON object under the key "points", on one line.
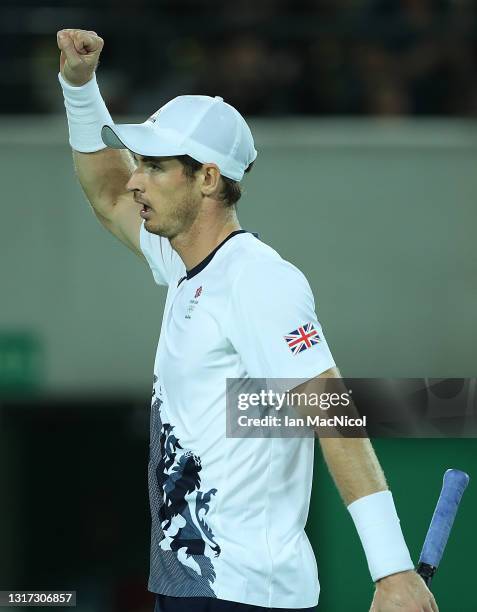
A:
{"points": [[86, 113], [379, 529]]}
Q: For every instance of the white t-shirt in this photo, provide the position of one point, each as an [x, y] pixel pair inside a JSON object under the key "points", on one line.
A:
{"points": [[228, 514]]}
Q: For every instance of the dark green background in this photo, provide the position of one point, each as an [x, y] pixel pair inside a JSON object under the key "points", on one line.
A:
{"points": [[414, 469]]}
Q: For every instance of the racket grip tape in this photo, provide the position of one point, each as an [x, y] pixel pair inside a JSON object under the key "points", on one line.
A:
{"points": [[453, 487]]}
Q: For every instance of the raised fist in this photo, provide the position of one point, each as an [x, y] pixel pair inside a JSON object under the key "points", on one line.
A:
{"points": [[80, 51]]}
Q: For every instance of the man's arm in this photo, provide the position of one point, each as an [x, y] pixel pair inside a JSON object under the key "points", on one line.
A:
{"points": [[352, 462], [357, 474], [103, 176], [103, 173]]}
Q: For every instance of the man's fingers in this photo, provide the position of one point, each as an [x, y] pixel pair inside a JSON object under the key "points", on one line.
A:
{"points": [[434, 607], [82, 42], [431, 605], [87, 42]]}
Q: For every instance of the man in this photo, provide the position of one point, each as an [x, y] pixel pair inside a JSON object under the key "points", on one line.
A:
{"points": [[228, 514]]}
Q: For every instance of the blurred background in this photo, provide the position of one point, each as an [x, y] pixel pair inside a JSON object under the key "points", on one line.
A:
{"points": [[364, 116], [268, 57]]}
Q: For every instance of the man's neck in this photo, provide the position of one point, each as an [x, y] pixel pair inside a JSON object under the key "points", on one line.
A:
{"points": [[194, 245]]}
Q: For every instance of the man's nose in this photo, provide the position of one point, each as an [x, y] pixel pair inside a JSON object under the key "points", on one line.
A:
{"points": [[134, 183]]}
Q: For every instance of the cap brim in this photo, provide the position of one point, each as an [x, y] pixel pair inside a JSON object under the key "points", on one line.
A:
{"points": [[140, 138]]}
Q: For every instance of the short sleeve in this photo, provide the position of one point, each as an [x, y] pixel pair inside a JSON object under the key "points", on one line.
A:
{"points": [[272, 323], [159, 254]]}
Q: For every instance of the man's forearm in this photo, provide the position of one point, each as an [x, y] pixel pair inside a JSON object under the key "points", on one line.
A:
{"points": [[354, 467], [359, 478], [102, 172]]}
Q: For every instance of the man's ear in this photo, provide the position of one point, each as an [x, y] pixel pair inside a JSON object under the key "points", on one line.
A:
{"points": [[210, 179]]}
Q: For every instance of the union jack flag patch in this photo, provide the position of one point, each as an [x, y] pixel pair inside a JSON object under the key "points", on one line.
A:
{"points": [[302, 338]]}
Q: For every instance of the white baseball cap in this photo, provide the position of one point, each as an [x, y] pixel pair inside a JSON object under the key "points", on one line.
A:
{"points": [[207, 129]]}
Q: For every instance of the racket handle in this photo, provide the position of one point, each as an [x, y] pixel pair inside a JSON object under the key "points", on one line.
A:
{"points": [[453, 487]]}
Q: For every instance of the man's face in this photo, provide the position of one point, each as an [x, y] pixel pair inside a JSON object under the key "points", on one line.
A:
{"points": [[170, 200]]}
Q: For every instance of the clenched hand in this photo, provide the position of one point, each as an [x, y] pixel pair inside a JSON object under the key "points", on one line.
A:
{"points": [[80, 51]]}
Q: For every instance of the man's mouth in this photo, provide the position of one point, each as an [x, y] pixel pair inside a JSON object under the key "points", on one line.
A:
{"points": [[145, 209]]}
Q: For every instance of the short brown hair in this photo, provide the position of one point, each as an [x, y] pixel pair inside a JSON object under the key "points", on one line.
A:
{"points": [[231, 191]]}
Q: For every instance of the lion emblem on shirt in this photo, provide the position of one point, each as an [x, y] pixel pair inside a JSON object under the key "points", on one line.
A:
{"points": [[184, 506]]}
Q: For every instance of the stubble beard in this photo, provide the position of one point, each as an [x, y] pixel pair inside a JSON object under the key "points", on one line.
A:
{"points": [[179, 220]]}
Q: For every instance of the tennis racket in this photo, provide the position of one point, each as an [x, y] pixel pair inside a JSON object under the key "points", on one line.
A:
{"points": [[453, 487]]}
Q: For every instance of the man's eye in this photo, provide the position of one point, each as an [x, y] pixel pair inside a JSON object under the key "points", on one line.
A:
{"points": [[154, 166]]}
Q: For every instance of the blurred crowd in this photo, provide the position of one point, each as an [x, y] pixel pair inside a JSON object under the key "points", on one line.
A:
{"points": [[267, 57]]}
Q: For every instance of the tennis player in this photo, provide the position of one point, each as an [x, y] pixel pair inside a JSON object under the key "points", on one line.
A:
{"points": [[228, 514]]}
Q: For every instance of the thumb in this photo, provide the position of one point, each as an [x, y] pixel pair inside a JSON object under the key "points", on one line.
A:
{"points": [[68, 49]]}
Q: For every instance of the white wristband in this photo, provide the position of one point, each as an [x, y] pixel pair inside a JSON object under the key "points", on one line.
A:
{"points": [[86, 113], [379, 529]]}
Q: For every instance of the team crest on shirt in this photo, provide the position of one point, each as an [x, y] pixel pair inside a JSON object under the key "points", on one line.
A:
{"points": [[193, 303], [302, 338]]}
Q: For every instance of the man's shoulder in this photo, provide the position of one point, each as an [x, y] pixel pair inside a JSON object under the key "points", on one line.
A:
{"points": [[251, 251], [254, 259]]}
